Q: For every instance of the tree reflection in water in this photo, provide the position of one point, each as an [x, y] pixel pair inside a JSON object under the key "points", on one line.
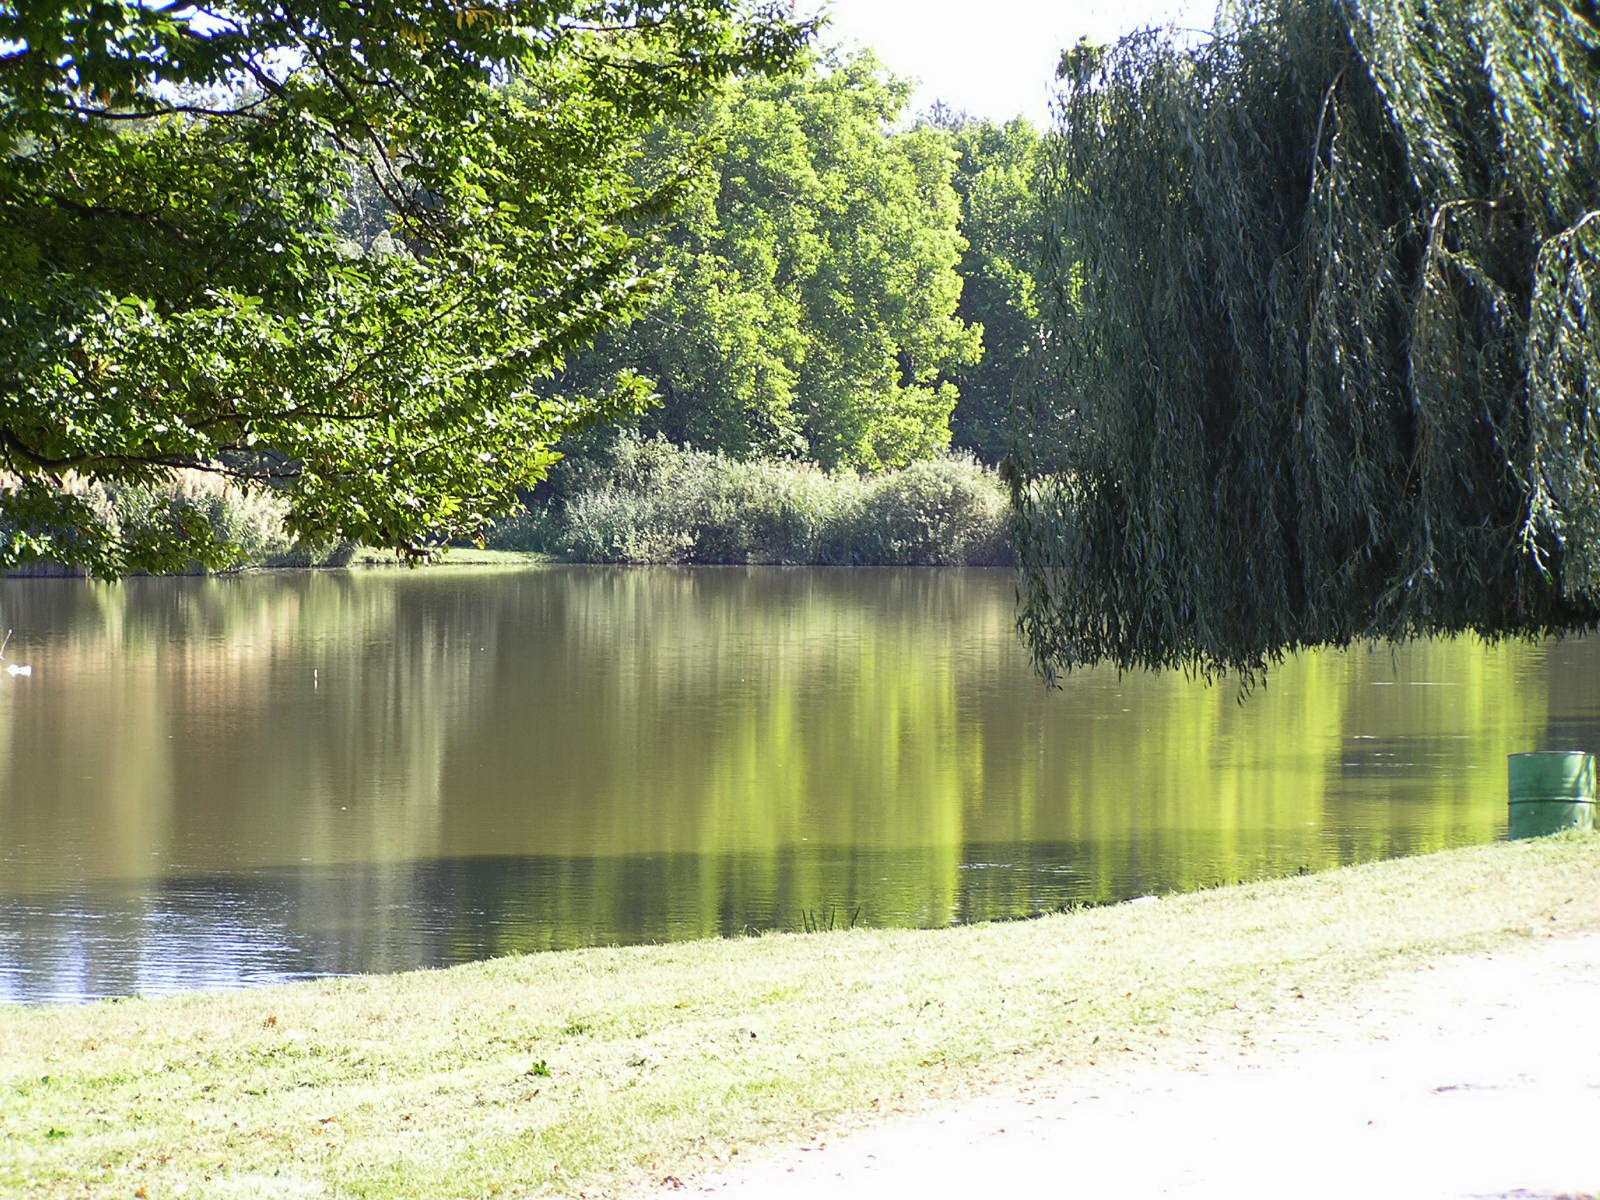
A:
{"points": [[493, 761]]}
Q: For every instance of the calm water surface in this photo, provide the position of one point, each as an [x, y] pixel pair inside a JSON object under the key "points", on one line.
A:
{"points": [[235, 781]]}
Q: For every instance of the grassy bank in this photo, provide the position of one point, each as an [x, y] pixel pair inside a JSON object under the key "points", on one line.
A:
{"points": [[586, 1071]]}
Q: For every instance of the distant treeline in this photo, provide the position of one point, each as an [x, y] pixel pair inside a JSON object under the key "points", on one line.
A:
{"points": [[845, 285], [825, 378], [853, 297], [847, 289]]}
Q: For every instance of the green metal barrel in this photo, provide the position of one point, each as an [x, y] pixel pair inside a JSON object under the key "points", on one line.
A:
{"points": [[1551, 791]]}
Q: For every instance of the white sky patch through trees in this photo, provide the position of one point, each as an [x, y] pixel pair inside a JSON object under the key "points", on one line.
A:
{"points": [[991, 58]]}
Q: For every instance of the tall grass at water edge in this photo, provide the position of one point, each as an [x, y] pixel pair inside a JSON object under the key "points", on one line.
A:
{"points": [[654, 502], [250, 520], [649, 501]]}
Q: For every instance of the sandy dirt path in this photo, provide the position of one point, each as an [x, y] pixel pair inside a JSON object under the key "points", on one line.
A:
{"points": [[1475, 1077]]}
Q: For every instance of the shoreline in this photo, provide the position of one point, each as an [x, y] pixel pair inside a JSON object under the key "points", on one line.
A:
{"points": [[362, 560], [595, 1072], [373, 560]]}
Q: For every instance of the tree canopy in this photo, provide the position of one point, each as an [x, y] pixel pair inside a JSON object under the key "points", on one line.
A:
{"points": [[815, 286], [176, 292], [1002, 223], [1322, 363]]}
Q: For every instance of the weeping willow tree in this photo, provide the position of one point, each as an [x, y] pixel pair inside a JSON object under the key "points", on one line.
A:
{"points": [[1319, 362]]}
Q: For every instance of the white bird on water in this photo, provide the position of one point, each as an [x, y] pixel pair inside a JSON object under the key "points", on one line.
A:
{"points": [[12, 669]]}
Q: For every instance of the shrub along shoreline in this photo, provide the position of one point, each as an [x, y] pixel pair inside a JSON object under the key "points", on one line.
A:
{"points": [[596, 1070], [647, 501]]}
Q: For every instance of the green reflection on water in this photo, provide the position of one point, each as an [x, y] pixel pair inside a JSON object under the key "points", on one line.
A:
{"points": [[611, 755]]}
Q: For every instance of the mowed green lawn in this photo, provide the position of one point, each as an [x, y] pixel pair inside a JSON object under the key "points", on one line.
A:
{"points": [[590, 1071]]}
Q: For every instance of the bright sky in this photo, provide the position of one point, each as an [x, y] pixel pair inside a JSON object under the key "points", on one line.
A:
{"points": [[992, 58]]}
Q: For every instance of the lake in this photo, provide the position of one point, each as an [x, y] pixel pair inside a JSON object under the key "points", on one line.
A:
{"points": [[234, 781]]}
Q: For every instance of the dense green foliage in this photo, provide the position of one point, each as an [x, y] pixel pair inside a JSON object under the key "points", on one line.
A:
{"points": [[646, 500], [1002, 223], [813, 307], [175, 290], [1323, 363]]}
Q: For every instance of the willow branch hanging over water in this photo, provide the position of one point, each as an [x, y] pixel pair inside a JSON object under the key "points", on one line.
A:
{"points": [[1319, 358]]}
